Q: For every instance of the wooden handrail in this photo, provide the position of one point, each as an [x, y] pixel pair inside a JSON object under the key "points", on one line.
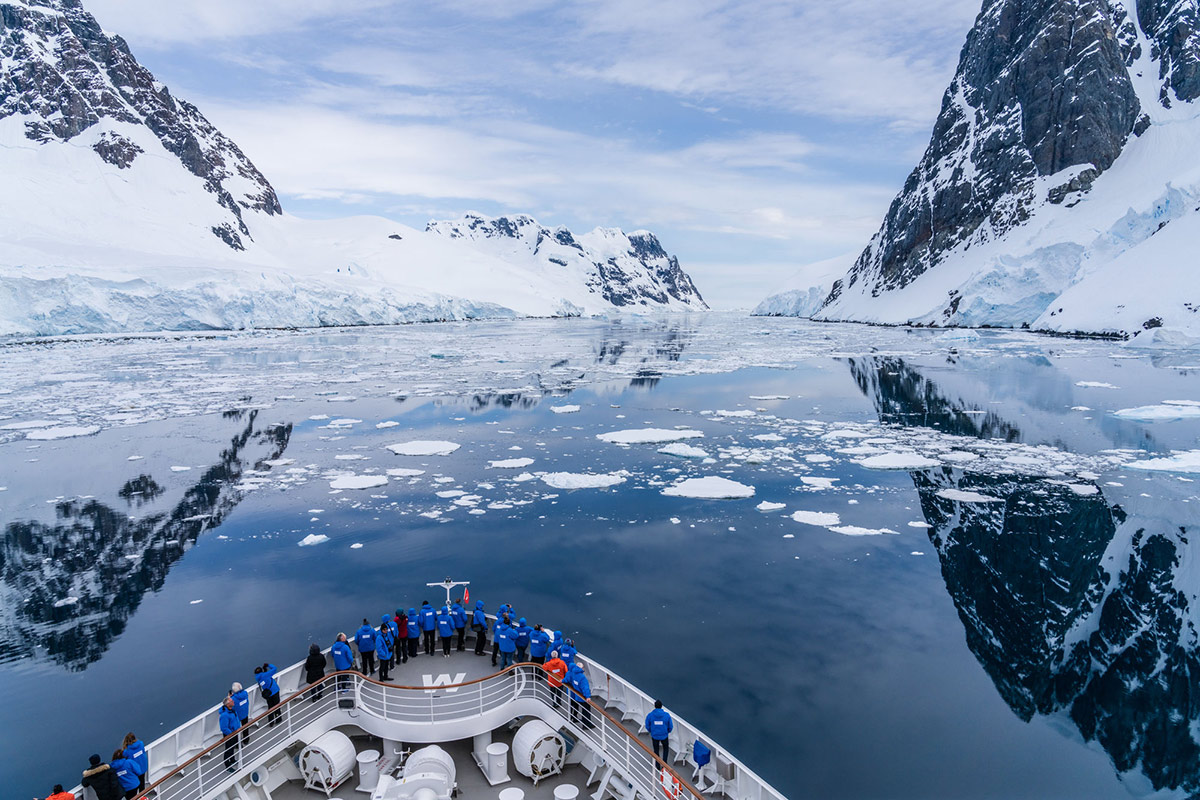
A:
{"points": [[359, 676]]}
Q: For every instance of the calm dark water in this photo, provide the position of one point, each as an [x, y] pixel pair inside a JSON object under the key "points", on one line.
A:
{"points": [[1040, 644]]}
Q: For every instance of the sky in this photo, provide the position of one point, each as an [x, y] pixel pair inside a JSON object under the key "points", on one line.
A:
{"points": [[753, 138]]}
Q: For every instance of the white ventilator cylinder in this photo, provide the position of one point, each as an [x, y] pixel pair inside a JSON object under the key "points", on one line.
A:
{"points": [[328, 759], [538, 750], [497, 762], [368, 770]]}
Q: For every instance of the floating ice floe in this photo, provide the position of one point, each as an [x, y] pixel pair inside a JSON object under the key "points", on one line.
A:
{"points": [[963, 496], [768, 437], [770, 397], [424, 448], [344, 422], [922, 525], [1096, 385], [510, 463], [405, 472], [66, 601], [818, 483], [905, 460], [28, 424], [356, 546], [710, 487], [741, 413], [767, 505], [682, 450], [180, 469], [1179, 461], [195, 602], [959, 456], [313, 538], [580, 480], [1166, 412], [358, 481], [819, 518], [279, 462], [648, 436], [818, 458], [855, 530], [63, 432], [350, 457], [564, 409]]}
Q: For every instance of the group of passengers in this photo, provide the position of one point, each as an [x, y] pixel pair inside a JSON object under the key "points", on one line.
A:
{"points": [[123, 776]]}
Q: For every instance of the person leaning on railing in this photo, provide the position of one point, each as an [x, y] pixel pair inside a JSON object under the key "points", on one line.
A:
{"points": [[539, 643], [414, 632], [660, 725], [229, 724], [479, 624], [581, 692], [59, 794], [343, 659], [135, 751], [460, 623], [269, 689], [101, 779], [556, 671], [314, 671]]}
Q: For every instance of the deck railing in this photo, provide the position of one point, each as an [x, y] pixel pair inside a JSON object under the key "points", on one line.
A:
{"points": [[215, 768], [189, 762]]}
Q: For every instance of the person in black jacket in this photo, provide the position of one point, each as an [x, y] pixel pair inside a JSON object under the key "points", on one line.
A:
{"points": [[102, 780], [314, 671]]}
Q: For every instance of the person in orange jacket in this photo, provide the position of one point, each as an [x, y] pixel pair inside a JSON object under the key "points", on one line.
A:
{"points": [[59, 794], [556, 670]]}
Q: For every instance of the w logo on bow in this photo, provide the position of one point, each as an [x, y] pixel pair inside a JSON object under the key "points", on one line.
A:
{"points": [[445, 679]]}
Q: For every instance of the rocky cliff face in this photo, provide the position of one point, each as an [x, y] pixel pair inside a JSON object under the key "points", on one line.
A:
{"points": [[626, 270], [64, 76], [1002, 211]]}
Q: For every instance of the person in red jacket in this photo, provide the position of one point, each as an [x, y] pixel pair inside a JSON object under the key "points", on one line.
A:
{"points": [[59, 794], [556, 670]]}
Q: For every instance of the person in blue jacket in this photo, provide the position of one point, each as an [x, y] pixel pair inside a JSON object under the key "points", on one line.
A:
{"points": [[135, 751], [460, 623], [660, 725], [364, 639], [241, 704], [428, 626], [501, 617], [126, 773], [414, 632], [343, 659], [506, 642], [581, 692], [479, 624], [556, 641], [567, 651], [521, 631], [539, 645], [394, 627], [269, 688], [383, 647], [229, 724], [445, 625]]}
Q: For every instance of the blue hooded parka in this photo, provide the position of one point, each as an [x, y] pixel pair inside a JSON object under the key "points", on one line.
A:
{"points": [[445, 623], [365, 639], [126, 772], [660, 724], [414, 624], [266, 681], [459, 615], [567, 651], [579, 682], [343, 656], [523, 630], [539, 644], [229, 720], [383, 642], [428, 618], [241, 704], [478, 616], [136, 752], [506, 638], [391, 623]]}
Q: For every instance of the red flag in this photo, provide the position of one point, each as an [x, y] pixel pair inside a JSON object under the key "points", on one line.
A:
{"points": [[467, 595]]}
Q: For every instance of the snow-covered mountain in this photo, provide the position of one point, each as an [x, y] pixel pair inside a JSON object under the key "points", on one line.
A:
{"points": [[1060, 187], [626, 269], [122, 208]]}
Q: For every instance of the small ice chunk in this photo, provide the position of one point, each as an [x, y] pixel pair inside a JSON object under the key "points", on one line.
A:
{"points": [[963, 496], [62, 432], [313, 538], [564, 409], [675, 520], [180, 469], [358, 482], [710, 487], [391, 423], [770, 397], [855, 530], [405, 472], [902, 460], [682, 450], [768, 437], [1167, 412], [818, 458], [922, 525], [356, 546], [819, 518], [28, 424], [279, 462], [916, 553], [350, 457], [510, 463], [319, 417], [741, 413], [423, 448], [959, 456], [767, 505], [818, 483], [648, 436], [196, 602], [66, 601], [579, 480], [1095, 385]]}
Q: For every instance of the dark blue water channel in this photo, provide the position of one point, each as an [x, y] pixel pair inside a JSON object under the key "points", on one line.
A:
{"points": [[1035, 647]]}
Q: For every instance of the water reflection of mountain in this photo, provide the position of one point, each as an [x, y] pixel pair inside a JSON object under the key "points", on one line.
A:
{"points": [[108, 559], [1072, 607]]}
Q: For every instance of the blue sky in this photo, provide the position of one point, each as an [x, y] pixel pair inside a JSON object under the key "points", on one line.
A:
{"points": [[752, 137]]}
